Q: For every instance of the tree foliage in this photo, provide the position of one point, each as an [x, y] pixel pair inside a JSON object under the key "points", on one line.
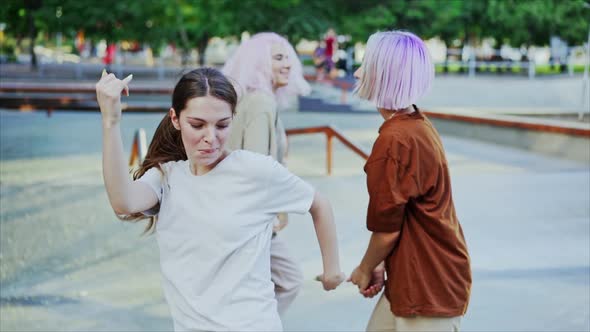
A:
{"points": [[190, 23]]}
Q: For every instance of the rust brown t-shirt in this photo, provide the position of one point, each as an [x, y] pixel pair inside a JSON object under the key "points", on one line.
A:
{"points": [[428, 271]]}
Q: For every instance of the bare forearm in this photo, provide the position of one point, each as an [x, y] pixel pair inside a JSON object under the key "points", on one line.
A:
{"points": [[323, 220], [380, 246], [115, 169]]}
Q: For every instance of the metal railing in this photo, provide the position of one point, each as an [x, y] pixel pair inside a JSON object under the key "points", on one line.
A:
{"points": [[139, 146], [330, 133]]}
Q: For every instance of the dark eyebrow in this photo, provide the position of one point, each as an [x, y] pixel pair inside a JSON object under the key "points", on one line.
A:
{"points": [[199, 119]]}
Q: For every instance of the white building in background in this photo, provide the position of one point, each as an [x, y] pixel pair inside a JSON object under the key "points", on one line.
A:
{"points": [[306, 47], [437, 49], [219, 49], [540, 55], [510, 53]]}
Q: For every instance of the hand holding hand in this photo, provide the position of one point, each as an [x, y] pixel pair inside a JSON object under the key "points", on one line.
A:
{"points": [[377, 282], [331, 281], [108, 95], [360, 278]]}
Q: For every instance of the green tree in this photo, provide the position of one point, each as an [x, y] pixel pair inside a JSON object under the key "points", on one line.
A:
{"points": [[21, 19], [531, 22], [191, 23]]}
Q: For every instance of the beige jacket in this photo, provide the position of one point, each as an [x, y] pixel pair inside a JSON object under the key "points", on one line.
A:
{"points": [[256, 126]]}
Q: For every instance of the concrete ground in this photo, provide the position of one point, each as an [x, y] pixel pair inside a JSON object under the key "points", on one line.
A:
{"points": [[66, 263]]}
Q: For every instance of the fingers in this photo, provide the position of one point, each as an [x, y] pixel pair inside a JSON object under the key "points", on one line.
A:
{"points": [[110, 82], [126, 81], [366, 293], [371, 291], [100, 81], [105, 77]]}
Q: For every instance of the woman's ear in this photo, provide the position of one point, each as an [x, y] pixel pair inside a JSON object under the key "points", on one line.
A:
{"points": [[174, 118]]}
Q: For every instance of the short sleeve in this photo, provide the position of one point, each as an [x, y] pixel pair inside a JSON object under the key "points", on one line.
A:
{"points": [[287, 192], [391, 185], [153, 178]]}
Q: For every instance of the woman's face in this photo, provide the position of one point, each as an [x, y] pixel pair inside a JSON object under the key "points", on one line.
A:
{"points": [[281, 65], [204, 125]]}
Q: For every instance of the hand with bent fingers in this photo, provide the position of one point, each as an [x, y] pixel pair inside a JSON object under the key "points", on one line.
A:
{"points": [[360, 278], [369, 283], [108, 95], [377, 282], [330, 282]]}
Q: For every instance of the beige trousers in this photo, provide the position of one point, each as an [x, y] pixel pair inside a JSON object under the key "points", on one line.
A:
{"points": [[285, 274], [383, 319]]}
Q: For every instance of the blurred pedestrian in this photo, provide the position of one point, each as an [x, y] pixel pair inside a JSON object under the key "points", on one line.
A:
{"points": [[319, 60], [331, 40], [110, 55], [268, 74]]}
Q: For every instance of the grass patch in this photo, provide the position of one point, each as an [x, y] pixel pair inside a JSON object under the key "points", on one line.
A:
{"points": [[545, 69]]}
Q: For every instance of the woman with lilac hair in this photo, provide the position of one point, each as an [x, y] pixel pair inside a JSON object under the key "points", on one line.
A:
{"points": [[268, 73], [416, 239]]}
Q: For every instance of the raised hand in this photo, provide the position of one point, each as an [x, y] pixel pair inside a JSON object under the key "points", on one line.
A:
{"points": [[108, 95]]}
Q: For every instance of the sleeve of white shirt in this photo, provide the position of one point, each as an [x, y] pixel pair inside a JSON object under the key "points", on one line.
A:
{"points": [[153, 178], [287, 192]]}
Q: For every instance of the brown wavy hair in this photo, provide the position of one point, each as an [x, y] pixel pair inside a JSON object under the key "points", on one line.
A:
{"points": [[166, 145]]}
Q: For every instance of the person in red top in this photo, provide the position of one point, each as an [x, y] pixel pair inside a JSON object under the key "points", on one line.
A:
{"points": [[331, 46], [109, 56], [417, 239]]}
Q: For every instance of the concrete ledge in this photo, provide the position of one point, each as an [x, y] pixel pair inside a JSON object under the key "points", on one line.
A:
{"points": [[550, 137]]}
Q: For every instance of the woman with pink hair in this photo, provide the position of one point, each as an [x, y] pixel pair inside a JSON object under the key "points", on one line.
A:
{"points": [[267, 74], [427, 264]]}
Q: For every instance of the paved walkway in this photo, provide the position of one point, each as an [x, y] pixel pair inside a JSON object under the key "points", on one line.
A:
{"points": [[68, 264]]}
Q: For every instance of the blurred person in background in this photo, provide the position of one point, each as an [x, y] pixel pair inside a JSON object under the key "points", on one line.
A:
{"points": [[319, 60], [268, 74], [416, 239], [110, 54], [331, 41]]}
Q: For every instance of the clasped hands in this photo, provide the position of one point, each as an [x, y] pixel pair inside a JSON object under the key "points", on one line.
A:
{"points": [[369, 283]]}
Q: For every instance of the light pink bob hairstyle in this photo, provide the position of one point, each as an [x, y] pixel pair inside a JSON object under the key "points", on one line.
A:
{"points": [[251, 67], [396, 71]]}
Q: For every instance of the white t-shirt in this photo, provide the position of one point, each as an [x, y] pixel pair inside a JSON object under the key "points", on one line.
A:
{"points": [[214, 233]]}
